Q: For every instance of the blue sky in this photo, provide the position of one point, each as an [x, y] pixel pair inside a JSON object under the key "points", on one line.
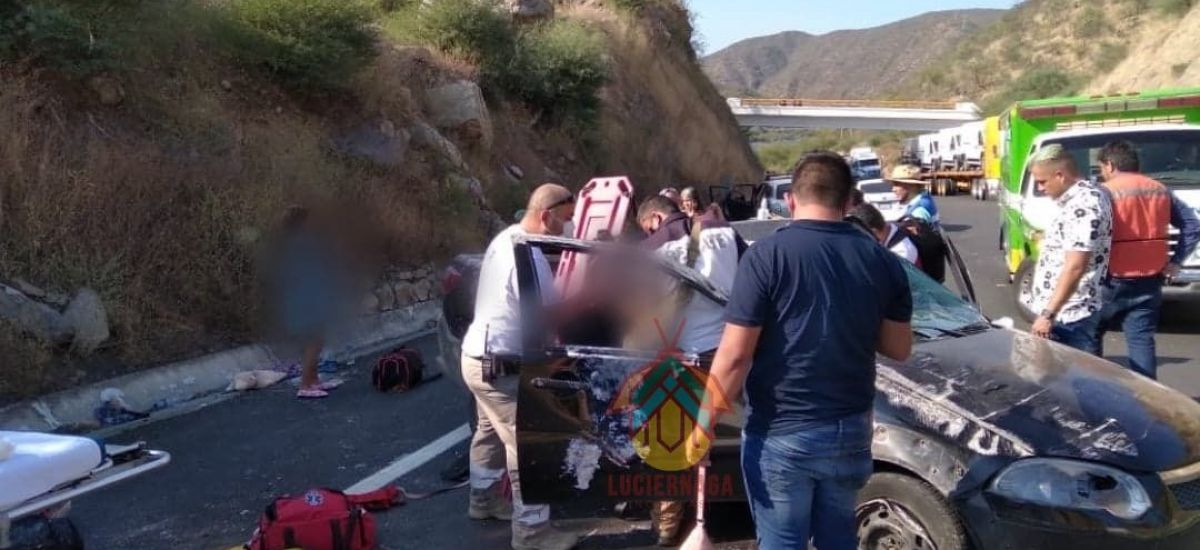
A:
{"points": [[723, 22]]}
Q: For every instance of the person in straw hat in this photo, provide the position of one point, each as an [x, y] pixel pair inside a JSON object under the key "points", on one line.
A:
{"points": [[913, 193]]}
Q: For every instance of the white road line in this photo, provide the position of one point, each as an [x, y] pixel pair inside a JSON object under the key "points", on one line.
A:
{"points": [[411, 461]]}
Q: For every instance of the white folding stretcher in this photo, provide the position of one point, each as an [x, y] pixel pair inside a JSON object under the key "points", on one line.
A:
{"points": [[45, 471]]}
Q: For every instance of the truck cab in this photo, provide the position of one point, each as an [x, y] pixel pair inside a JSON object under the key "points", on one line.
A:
{"points": [[864, 164], [992, 151], [1169, 153], [944, 149], [927, 144], [969, 146]]}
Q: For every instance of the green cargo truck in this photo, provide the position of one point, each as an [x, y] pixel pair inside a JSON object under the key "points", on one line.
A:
{"points": [[1164, 125]]}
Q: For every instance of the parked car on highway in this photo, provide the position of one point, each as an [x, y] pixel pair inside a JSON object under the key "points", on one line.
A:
{"points": [[775, 190], [879, 193], [986, 438]]}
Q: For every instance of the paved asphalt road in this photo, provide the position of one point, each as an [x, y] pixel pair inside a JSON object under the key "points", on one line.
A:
{"points": [[231, 459]]}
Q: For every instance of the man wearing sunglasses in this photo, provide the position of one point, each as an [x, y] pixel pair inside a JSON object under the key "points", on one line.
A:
{"points": [[490, 371]]}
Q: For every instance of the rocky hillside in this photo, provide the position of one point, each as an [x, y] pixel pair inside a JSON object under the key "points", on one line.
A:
{"points": [[148, 149], [1043, 48], [1164, 53], [864, 63]]}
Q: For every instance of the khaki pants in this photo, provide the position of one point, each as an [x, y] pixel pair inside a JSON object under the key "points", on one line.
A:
{"points": [[494, 447]]}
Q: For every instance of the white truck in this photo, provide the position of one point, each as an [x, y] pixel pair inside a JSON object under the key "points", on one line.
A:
{"points": [[864, 163], [966, 148], [928, 145]]}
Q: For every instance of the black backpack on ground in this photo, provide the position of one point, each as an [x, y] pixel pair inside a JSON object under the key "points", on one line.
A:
{"points": [[931, 248], [398, 370]]}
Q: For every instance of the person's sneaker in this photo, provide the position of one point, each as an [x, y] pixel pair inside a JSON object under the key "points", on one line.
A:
{"points": [[489, 504], [542, 537], [457, 470]]}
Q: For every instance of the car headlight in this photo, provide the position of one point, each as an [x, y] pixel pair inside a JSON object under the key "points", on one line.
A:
{"points": [[1073, 484]]}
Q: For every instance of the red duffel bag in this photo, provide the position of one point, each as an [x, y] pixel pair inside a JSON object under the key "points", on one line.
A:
{"points": [[322, 519]]}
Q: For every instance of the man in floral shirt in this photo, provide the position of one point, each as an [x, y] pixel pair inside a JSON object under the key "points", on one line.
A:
{"points": [[1074, 254]]}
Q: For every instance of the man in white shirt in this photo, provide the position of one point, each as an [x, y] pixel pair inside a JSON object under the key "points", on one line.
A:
{"points": [[1074, 253], [888, 234], [711, 247], [714, 255], [490, 351]]}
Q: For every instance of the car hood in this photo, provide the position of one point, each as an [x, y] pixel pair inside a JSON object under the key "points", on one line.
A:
{"points": [[1045, 399]]}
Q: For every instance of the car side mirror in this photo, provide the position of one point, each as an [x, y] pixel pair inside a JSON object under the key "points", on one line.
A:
{"points": [[1004, 322]]}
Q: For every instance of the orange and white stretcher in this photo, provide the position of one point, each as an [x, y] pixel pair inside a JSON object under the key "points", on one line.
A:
{"points": [[600, 212]]}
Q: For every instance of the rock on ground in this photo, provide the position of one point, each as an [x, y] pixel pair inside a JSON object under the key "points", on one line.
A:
{"points": [[425, 135], [378, 142], [459, 106], [88, 318], [34, 317], [29, 289]]}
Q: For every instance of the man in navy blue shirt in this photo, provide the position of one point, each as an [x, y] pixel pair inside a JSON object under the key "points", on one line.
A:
{"points": [[810, 307]]}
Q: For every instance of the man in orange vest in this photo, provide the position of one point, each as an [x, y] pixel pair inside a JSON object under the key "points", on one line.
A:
{"points": [[1142, 211]]}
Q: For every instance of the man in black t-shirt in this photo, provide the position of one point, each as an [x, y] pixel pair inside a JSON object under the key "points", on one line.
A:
{"points": [[810, 307]]}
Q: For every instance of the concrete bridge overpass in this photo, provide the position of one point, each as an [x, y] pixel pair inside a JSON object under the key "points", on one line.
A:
{"points": [[917, 116]]}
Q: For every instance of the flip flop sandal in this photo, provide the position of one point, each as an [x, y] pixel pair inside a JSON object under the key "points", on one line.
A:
{"points": [[312, 393]]}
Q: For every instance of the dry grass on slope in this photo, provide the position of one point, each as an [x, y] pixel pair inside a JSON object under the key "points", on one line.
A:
{"points": [[663, 122], [166, 226], [1163, 54], [1041, 48]]}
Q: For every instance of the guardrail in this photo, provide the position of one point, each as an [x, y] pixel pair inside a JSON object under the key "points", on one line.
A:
{"points": [[845, 103]]}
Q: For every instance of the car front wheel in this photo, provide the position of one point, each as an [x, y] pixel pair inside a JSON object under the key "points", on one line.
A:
{"points": [[900, 512]]}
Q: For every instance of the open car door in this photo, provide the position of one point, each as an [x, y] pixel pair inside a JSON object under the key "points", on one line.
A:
{"points": [[602, 423], [962, 276], [737, 202], [719, 195]]}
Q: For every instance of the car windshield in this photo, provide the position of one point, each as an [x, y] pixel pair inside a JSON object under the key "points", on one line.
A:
{"points": [[1170, 156], [875, 187], [781, 190], [869, 163], [936, 310]]}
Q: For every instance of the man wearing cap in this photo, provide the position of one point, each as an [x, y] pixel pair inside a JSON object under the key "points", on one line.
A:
{"points": [[913, 192], [489, 370]]}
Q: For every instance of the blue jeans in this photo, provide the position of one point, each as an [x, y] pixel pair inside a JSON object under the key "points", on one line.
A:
{"points": [[806, 483], [1134, 304], [1082, 335]]}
